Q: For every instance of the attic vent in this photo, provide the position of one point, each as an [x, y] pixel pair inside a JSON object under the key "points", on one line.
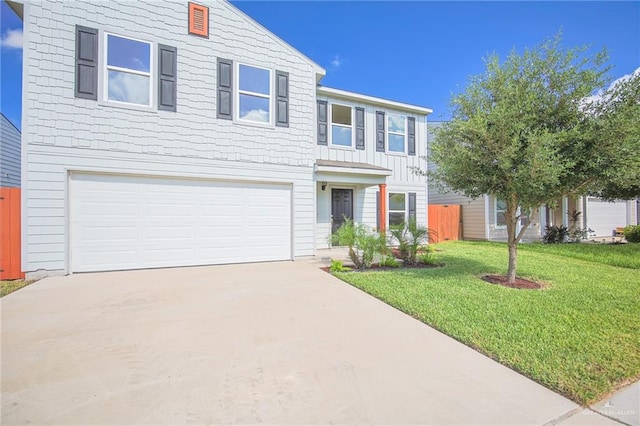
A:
{"points": [[198, 20]]}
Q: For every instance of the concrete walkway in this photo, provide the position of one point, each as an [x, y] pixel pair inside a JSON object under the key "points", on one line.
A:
{"points": [[274, 343]]}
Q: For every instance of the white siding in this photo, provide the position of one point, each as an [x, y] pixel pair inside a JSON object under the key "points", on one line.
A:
{"points": [[64, 133], [9, 154]]}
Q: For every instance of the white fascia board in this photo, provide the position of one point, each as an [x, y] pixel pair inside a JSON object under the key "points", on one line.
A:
{"points": [[328, 91], [353, 171]]}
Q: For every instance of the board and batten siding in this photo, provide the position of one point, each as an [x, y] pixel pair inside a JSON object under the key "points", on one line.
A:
{"points": [[63, 133], [10, 148]]}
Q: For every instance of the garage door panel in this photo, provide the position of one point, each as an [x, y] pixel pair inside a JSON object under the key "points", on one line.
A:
{"points": [[126, 222], [604, 217]]}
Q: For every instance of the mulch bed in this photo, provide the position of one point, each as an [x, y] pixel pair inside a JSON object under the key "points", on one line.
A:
{"points": [[520, 283], [376, 267]]}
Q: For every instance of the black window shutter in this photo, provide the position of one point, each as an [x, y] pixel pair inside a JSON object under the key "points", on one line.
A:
{"points": [[167, 77], [378, 210], [412, 207], [225, 89], [86, 63], [322, 123], [412, 136], [282, 99], [379, 131], [359, 128]]}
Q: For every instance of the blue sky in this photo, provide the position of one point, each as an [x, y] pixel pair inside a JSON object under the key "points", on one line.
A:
{"points": [[414, 52]]}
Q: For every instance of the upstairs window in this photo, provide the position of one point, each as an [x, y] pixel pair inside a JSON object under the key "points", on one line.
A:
{"points": [[396, 132], [128, 70], [254, 94], [341, 125], [397, 208]]}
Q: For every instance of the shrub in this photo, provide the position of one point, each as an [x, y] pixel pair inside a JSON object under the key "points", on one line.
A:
{"points": [[555, 234], [409, 238], [337, 266], [389, 262], [362, 244], [632, 233], [428, 258]]}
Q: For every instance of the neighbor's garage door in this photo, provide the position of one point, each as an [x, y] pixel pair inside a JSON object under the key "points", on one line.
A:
{"points": [[603, 217], [130, 222]]}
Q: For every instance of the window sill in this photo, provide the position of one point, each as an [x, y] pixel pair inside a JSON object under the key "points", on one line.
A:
{"points": [[346, 148], [132, 107], [397, 154], [254, 124]]}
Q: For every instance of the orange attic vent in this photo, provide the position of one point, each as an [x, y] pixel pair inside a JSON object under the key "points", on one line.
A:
{"points": [[198, 20]]}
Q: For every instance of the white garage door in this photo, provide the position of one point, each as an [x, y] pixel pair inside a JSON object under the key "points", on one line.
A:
{"points": [[603, 217], [131, 222]]}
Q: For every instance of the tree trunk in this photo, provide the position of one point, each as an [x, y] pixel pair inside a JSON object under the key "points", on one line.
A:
{"points": [[512, 239], [513, 262]]}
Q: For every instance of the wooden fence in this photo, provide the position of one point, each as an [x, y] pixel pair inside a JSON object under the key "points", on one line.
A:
{"points": [[444, 222], [10, 267]]}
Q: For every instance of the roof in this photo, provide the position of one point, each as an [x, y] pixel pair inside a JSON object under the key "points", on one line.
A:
{"points": [[339, 93], [17, 7], [349, 164]]}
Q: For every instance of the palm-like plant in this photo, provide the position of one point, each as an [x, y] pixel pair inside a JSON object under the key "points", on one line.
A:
{"points": [[409, 239], [362, 244]]}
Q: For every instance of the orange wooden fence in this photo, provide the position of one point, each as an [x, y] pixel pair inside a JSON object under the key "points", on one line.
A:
{"points": [[444, 222], [10, 267]]}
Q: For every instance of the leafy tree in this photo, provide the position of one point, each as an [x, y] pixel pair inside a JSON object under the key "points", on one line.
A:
{"points": [[524, 133]]}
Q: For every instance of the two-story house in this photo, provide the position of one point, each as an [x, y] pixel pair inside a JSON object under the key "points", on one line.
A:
{"points": [[159, 134]]}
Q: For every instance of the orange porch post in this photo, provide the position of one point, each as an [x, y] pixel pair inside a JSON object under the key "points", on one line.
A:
{"points": [[383, 207]]}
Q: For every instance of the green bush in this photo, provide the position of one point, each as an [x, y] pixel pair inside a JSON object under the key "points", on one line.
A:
{"points": [[337, 266], [555, 234], [632, 233], [409, 238], [389, 262], [428, 258], [362, 244]]}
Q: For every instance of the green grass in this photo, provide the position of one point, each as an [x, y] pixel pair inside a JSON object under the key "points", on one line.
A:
{"points": [[623, 255], [9, 286], [578, 336]]}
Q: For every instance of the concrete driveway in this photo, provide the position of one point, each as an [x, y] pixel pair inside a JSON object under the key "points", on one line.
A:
{"points": [[274, 343]]}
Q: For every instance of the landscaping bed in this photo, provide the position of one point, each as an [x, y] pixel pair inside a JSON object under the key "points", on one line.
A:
{"points": [[579, 336]]}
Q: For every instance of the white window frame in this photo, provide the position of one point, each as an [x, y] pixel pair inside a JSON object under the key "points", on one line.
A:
{"points": [[352, 126], [389, 132], [106, 68], [238, 92], [405, 210], [495, 215]]}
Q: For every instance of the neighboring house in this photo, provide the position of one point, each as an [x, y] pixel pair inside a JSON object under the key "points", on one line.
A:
{"points": [[483, 218], [9, 154], [172, 133]]}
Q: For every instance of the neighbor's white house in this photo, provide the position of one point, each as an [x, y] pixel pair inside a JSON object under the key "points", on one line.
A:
{"points": [[175, 133], [9, 154], [483, 218]]}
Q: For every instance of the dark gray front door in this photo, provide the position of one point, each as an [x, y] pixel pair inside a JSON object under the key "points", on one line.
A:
{"points": [[341, 206]]}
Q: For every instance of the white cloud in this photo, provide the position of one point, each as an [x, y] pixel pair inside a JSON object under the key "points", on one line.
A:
{"points": [[12, 39], [396, 123], [125, 87], [336, 62], [598, 96], [259, 115]]}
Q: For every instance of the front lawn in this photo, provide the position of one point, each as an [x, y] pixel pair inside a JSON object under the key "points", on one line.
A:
{"points": [[579, 336], [623, 255]]}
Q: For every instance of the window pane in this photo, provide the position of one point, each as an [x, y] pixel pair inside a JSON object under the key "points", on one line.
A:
{"points": [[396, 201], [131, 88], [254, 108], [396, 143], [501, 220], [126, 53], [341, 135], [255, 80], [396, 123], [396, 218], [341, 114]]}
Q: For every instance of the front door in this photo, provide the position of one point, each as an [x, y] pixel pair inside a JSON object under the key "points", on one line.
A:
{"points": [[341, 207]]}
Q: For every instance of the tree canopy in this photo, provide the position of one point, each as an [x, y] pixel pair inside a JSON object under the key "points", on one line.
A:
{"points": [[526, 132]]}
